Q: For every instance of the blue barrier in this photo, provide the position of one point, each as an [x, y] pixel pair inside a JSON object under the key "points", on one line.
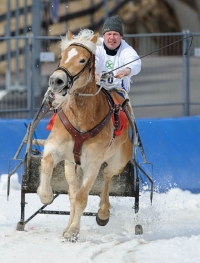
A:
{"points": [[172, 145], [12, 133]]}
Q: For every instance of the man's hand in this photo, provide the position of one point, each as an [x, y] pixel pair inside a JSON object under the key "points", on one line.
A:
{"points": [[100, 77], [122, 73]]}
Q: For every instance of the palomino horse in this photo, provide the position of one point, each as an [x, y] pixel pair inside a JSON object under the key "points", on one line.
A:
{"points": [[83, 131]]}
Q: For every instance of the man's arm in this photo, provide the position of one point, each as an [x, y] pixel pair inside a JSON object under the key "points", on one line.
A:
{"points": [[122, 73]]}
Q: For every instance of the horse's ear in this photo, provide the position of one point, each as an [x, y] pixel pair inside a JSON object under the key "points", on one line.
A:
{"points": [[69, 35], [95, 38]]}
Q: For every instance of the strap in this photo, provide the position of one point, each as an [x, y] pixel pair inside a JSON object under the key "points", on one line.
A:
{"points": [[108, 97], [116, 108], [80, 137]]}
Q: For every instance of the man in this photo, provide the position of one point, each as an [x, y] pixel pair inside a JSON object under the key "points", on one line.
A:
{"points": [[114, 53]]}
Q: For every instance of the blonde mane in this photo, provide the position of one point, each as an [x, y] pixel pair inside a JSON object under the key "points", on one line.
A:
{"points": [[84, 37]]}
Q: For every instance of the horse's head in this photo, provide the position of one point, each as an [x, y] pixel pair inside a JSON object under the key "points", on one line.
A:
{"points": [[77, 60]]}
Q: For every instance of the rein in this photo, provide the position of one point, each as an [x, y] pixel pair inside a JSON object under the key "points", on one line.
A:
{"points": [[153, 53]]}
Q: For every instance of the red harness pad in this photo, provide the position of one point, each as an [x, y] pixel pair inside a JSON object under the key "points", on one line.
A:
{"points": [[122, 117], [51, 122]]}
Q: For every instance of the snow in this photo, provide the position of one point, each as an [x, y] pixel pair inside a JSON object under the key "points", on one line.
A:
{"points": [[171, 228]]}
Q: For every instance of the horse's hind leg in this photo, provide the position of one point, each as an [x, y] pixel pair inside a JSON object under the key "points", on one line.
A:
{"points": [[103, 215], [44, 190]]}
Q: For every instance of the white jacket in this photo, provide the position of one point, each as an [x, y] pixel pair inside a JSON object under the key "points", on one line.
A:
{"points": [[125, 54]]}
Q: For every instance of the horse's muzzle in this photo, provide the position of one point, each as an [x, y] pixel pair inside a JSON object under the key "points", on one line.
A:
{"points": [[57, 81]]}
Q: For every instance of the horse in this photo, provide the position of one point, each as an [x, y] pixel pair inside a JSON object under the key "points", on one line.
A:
{"points": [[83, 133]]}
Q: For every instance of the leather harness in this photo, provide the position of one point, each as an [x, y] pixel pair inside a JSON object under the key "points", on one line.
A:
{"points": [[80, 137]]}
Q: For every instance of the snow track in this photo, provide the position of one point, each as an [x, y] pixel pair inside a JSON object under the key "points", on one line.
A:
{"points": [[171, 230]]}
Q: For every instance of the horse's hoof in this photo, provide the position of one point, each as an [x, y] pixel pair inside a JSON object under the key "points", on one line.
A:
{"points": [[101, 222], [71, 236], [46, 199], [71, 239]]}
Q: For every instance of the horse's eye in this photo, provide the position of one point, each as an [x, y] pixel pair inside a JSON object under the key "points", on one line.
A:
{"points": [[82, 60]]}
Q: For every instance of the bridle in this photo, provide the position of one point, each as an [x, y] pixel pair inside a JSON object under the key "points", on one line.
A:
{"points": [[76, 76]]}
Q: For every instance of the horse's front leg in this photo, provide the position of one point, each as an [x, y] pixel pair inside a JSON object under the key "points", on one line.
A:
{"points": [[78, 200], [72, 175], [44, 190]]}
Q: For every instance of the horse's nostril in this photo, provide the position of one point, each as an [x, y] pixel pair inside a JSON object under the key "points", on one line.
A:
{"points": [[59, 82]]}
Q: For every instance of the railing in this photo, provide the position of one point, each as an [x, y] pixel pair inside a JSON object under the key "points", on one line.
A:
{"points": [[169, 50]]}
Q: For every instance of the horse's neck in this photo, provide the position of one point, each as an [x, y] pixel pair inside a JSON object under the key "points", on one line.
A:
{"points": [[85, 112], [81, 102]]}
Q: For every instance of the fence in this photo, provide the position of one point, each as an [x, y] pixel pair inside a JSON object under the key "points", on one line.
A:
{"points": [[168, 85]]}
